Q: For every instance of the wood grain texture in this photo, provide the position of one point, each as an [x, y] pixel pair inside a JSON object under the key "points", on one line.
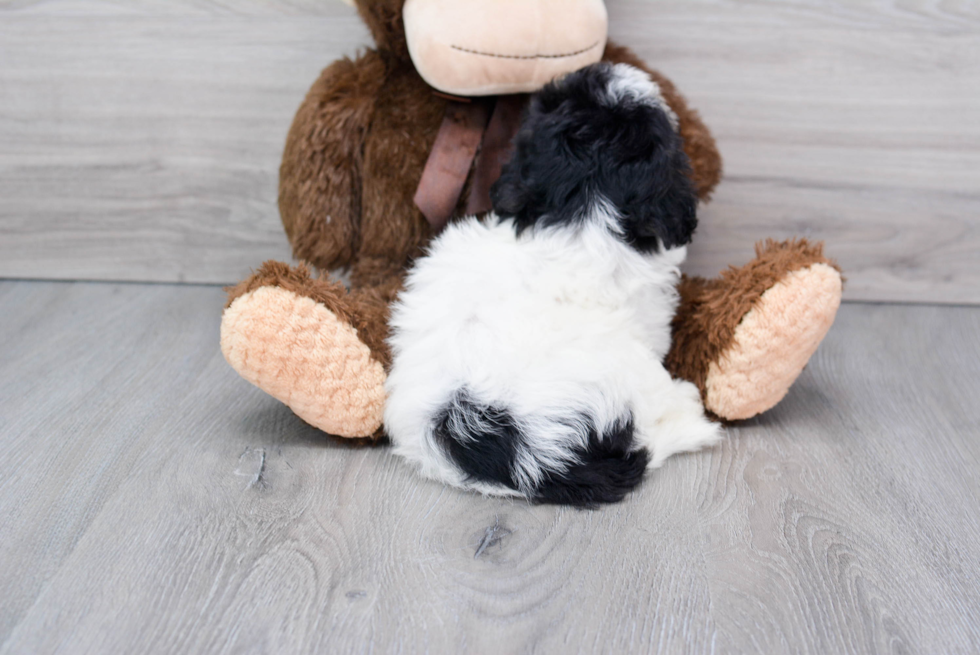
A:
{"points": [[142, 137], [849, 122], [154, 502]]}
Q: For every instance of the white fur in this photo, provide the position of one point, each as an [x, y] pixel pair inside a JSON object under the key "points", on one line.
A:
{"points": [[632, 83], [555, 324]]}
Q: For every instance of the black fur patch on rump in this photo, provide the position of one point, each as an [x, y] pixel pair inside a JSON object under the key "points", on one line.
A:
{"points": [[484, 441], [481, 440], [606, 470]]}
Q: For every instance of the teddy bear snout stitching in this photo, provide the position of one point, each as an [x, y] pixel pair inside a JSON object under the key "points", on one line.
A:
{"points": [[500, 56]]}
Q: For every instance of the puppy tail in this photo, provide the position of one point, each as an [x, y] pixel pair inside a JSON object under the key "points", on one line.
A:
{"points": [[487, 443], [604, 471]]}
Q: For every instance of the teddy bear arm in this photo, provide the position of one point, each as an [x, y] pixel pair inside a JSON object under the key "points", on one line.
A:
{"points": [[699, 145], [320, 175]]}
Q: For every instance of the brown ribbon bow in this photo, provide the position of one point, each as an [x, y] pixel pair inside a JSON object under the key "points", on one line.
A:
{"points": [[480, 129]]}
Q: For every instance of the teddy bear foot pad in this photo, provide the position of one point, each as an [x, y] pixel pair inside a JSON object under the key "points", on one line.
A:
{"points": [[773, 343], [299, 352]]}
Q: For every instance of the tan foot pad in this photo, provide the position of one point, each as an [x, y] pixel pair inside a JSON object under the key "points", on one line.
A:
{"points": [[299, 352], [773, 343]]}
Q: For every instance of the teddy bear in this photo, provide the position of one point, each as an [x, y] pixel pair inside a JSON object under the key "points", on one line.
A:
{"points": [[388, 147]]}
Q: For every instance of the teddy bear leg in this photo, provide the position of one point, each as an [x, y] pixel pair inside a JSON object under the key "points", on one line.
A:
{"points": [[743, 338], [305, 342]]}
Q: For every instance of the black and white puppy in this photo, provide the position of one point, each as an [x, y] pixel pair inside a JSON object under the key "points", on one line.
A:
{"points": [[528, 346]]}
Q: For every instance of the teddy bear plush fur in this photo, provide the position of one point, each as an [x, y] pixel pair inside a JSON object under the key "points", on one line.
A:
{"points": [[351, 167]]}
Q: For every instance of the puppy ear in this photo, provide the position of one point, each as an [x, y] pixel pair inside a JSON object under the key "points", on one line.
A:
{"points": [[665, 205], [673, 215], [509, 195]]}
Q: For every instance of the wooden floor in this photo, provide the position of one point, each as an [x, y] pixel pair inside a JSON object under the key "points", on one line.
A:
{"points": [[152, 501]]}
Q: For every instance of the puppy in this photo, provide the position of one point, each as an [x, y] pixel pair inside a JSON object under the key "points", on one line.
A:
{"points": [[527, 347]]}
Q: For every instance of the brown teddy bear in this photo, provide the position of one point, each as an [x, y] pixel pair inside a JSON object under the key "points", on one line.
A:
{"points": [[387, 147]]}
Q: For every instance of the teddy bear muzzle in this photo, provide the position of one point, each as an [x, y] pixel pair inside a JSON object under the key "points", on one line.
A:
{"points": [[482, 47]]}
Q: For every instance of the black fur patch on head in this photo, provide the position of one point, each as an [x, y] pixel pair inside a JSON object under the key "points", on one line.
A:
{"points": [[605, 471], [576, 148]]}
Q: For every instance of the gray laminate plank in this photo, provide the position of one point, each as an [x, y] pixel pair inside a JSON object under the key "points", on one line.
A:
{"points": [[154, 502], [142, 138], [86, 371], [845, 519]]}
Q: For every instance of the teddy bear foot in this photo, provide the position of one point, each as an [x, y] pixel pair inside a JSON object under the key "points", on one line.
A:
{"points": [[774, 340], [301, 353]]}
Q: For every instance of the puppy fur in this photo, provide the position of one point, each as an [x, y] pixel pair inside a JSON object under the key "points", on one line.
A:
{"points": [[528, 347]]}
